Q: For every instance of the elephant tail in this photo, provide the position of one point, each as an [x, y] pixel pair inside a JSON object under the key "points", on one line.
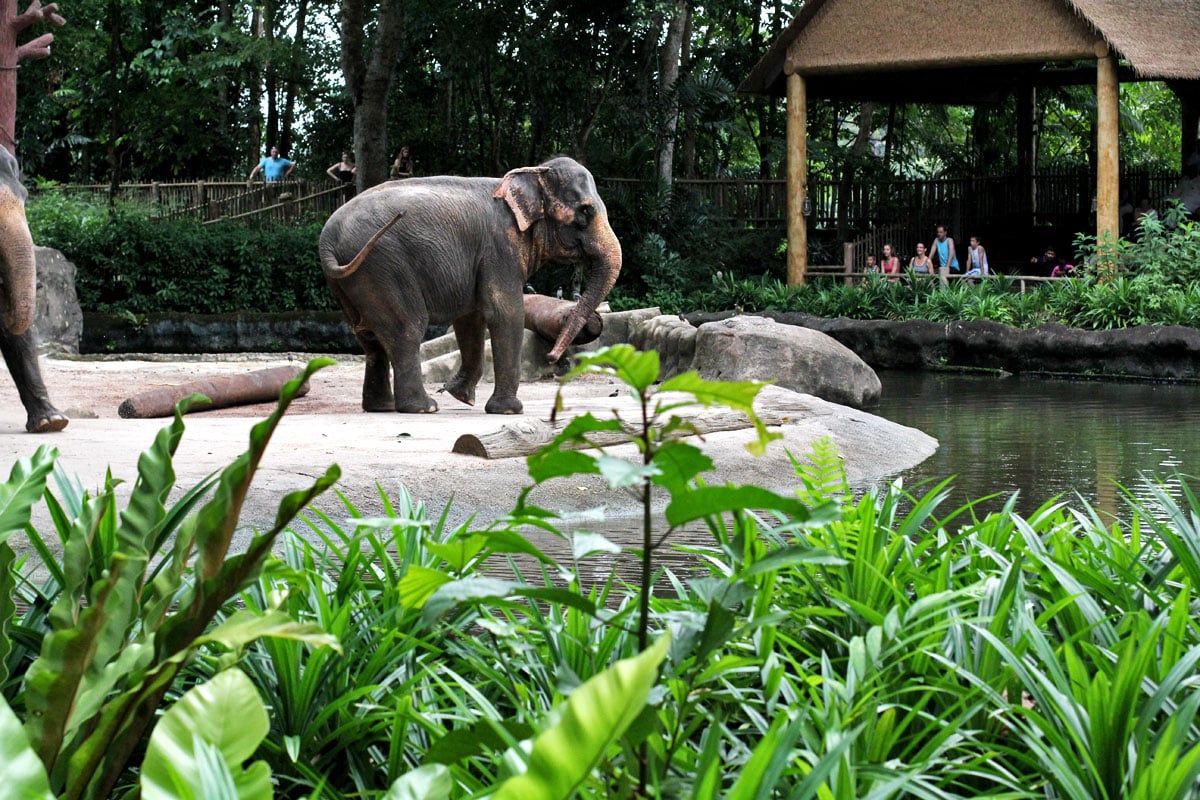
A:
{"points": [[335, 271]]}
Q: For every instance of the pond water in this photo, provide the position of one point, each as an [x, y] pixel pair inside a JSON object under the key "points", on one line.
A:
{"points": [[1043, 436]]}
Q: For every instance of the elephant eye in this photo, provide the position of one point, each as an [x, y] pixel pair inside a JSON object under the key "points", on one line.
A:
{"points": [[584, 215]]}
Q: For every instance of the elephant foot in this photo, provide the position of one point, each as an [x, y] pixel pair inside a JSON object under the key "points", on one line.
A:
{"points": [[461, 390], [388, 405], [504, 405], [49, 422], [425, 405]]}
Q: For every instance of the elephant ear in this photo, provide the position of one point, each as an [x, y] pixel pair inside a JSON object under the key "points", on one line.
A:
{"points": [[522, 190]]}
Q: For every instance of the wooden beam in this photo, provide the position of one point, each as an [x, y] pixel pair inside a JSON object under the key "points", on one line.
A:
{"points": [[797, 174], [1108, 161], [1026, 147]]}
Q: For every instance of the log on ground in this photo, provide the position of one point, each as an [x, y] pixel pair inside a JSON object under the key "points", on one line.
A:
{"points": [[521, 438], [260, 386]]}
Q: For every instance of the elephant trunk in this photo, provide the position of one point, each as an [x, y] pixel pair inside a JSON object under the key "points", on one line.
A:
{"points": [[604, 265], [18, 269]]}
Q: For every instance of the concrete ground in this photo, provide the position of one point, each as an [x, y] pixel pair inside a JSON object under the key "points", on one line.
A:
{"points": [[327, 426]]}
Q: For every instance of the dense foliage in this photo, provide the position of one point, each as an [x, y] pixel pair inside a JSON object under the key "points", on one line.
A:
{"points": [[1153, 279], [161, 89], [130, 263], [881, 646]]}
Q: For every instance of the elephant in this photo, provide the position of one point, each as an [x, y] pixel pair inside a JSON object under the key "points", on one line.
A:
{"points": [[18, 300], [451, 250]]}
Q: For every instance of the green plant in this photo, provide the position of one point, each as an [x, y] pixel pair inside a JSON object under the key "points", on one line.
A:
{"points": [[113, 627]]}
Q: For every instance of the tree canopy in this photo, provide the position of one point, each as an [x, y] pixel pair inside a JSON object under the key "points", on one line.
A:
{"points": [[163, 89]]}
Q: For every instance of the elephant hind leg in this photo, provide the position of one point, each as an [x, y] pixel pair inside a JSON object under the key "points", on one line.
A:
{"points": [[402, 340], [20, 354], [377, 381], [51, 421]]}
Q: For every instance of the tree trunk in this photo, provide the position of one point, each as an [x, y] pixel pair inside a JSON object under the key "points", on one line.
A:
{"points": [[11, 56], [272, 78], [256, 89], [369, 82], [668, 75], [866, 119], [295, 69]]}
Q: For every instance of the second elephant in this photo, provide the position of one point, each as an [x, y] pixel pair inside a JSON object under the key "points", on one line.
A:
{"points": [[448, 250]]}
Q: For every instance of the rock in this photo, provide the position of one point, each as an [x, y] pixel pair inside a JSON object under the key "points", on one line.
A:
{"points": [[672, 337], [756, 348], [58, 321], [619, 326]]}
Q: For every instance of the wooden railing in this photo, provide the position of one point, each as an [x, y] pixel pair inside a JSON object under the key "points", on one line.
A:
{"points": [[963, 204]]}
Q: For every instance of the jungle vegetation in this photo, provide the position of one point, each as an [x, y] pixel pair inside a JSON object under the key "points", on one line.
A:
{"points": [[830, 644]]}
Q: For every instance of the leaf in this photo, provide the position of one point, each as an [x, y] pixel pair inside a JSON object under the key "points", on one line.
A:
{"points": [[712, 500], [25, 486], [678, 463], [244, 627], [430, 782], [477, 738], [8, 608], [21, 771], [593, 718], [586, 543], [790, 556], [636, 369], [621, 473], [227, 713], [418, 585], [549, 463]]}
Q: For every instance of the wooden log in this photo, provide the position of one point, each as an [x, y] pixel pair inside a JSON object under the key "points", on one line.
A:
{"points": [[778, 407], [546, 316], [261, 386], [797, 175]]}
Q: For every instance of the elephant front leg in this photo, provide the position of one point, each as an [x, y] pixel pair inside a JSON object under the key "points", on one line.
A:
{"points": [[20, 354], [468, 331], [507, 333]]}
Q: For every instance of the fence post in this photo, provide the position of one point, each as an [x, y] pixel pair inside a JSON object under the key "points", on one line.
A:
{"points": [[848, 254]]}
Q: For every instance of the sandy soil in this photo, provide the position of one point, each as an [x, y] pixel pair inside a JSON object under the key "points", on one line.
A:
{"points": [[389, 452]]}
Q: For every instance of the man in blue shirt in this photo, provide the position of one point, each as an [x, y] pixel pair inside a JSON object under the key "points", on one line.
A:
{"points": [[275, 167]]}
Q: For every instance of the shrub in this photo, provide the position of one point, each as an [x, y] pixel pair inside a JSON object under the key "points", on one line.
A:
{"points": [[127, 261]]}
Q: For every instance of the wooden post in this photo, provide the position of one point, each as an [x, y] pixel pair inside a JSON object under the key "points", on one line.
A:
{"points": [[797, 174], [1108, 161], [1026, 149], [12, 54]]}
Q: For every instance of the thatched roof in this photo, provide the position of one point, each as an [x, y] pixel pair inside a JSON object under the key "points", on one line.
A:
{"points": [[856, 48]]}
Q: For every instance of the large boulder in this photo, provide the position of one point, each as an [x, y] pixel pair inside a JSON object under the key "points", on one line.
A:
{"points": [[756, 348], [672, 337], [58, 321]]}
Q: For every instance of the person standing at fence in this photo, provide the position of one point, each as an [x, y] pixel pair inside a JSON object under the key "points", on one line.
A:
{"points": [[343, 172], [889, 265], [977, 263], [274, 168], [944, 256], [403, 166]]}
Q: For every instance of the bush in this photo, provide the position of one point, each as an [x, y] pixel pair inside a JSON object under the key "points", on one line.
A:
{"points": [[127, 261]]}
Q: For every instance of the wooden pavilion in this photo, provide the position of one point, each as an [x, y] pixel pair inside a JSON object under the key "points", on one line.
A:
{"points": [[966, 52]]}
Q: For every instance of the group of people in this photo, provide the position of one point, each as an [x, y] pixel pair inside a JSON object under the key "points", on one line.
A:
{"points": [[275, 167], [941, 257]]}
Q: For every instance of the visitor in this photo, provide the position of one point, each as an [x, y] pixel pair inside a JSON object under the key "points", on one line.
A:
{"points": [[1045, 264], [1144, 209], [977, 263], [871, 268], [343, 172], [274, 168], [402, 167], [944, 256], [890, 265], [921, 264]]}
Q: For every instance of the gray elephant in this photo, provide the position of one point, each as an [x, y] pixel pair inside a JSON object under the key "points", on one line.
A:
{"points": [[18, 301], [454, 250]]}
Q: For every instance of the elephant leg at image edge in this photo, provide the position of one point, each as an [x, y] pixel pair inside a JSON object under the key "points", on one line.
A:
{"points": [[377, 379], [20, 354], [469, 333]]}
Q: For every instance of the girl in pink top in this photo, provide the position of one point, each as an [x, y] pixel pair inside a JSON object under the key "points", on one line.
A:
{"points": [[890, 264]]}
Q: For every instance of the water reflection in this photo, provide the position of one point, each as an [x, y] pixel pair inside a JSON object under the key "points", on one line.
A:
{"points": [[1043, 436]]}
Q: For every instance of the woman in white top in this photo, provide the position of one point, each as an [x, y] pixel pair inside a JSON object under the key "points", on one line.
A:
{"points": [[977, 263]]}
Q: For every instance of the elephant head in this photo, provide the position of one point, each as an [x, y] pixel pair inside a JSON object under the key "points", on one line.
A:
{"points": [[559, 198], [17, 268]]}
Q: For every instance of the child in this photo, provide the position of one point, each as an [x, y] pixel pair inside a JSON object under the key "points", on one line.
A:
{"points": [[977, 262], [871, 264]]}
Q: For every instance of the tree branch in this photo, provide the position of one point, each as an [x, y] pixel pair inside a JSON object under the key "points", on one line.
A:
{"points": [[36, 12], [37, 48]]}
